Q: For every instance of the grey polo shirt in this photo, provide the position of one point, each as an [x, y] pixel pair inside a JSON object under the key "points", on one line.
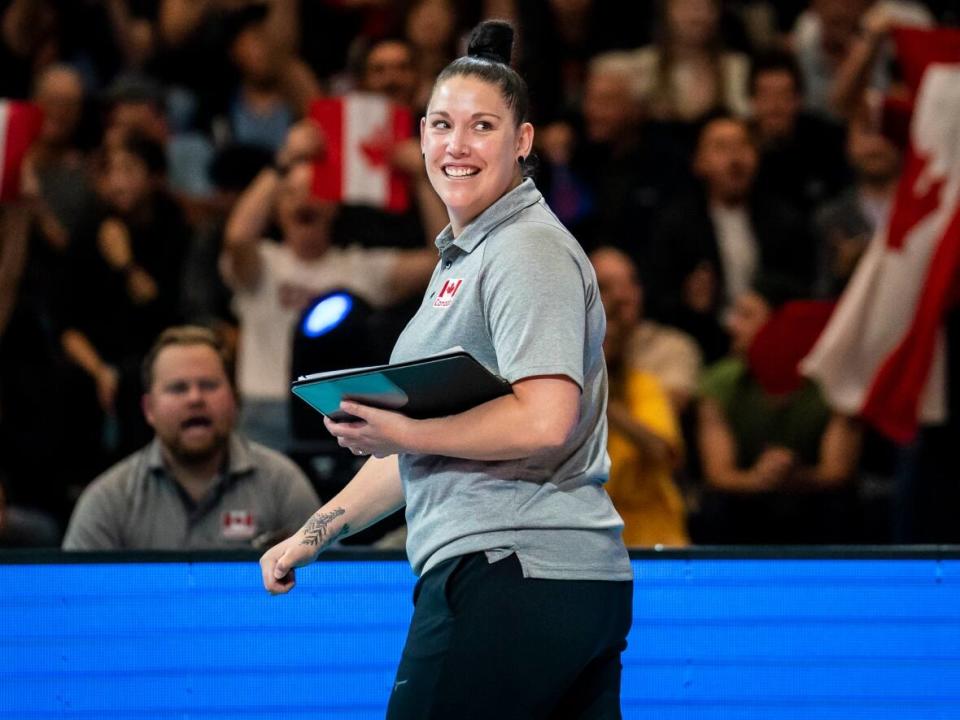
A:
{"points": [[517, 292], [138, 505]]}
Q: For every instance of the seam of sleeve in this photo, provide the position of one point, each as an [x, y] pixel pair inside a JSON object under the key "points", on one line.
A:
{"points": [[524, 371]]}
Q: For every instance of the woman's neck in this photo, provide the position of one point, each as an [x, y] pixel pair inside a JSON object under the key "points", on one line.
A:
{"points": [[458, 225]]}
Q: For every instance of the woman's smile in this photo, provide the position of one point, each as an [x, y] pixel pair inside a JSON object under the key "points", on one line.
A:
{"points": [[471, 143], [460, 171]]}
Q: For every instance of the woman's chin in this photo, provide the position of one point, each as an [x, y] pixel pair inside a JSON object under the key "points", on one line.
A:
{"points": [[461, 205], [458, 196]]}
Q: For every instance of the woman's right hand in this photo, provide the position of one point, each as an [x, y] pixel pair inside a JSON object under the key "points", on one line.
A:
{"points": [[317, 534], [277, 564]]}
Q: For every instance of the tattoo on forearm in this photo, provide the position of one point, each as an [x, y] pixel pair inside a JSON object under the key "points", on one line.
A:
{"points": [[317, 530]]}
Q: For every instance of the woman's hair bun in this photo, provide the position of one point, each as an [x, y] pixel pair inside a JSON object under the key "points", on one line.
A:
{"points": [[493, 40]]}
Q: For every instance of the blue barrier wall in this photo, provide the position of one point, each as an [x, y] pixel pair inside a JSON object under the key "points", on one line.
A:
{"points": [[747, 638]]}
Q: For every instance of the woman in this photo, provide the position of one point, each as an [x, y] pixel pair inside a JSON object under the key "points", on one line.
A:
{"points": [[524, 602], [431, 27], [123, 287], [687, 71]]}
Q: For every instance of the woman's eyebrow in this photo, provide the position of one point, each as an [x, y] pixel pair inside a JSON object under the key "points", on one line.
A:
{"points": [[444, 113]]}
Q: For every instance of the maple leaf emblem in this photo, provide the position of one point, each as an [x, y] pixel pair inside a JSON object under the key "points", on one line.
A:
{"points": [[376, 147]]}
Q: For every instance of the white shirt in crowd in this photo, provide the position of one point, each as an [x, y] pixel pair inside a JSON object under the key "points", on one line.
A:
{"points": [[738, 248], [268, 313]]}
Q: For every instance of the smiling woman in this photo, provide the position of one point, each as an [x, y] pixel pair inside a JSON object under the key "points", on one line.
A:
{"points": [[473, 145], [524, 598]]}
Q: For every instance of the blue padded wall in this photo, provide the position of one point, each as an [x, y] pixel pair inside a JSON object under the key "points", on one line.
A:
{"points": [[713, 639]]}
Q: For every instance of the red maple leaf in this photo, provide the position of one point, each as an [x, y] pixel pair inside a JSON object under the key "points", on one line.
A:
{"points": [[377, 146], [908, 208]]}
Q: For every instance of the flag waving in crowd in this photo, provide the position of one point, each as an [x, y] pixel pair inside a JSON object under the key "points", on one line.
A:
{"points": [[882, 355], [19, 126]]}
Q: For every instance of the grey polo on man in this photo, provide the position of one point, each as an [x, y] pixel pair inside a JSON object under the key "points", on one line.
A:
{"points": [[517, 292], [138, 505]]}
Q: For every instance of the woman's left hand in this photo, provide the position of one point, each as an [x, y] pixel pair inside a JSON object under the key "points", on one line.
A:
{"points": [[377, 432]]}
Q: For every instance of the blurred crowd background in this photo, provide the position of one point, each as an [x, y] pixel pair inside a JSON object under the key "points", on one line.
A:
{"points": [[720, 161]]}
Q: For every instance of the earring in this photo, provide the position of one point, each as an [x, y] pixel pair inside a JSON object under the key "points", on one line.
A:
{"points": [[521, 160]]}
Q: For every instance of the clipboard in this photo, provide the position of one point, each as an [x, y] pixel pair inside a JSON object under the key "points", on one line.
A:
{"points": [[435, 386]]}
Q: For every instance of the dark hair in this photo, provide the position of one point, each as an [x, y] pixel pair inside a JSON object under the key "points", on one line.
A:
{"points": [[778, 288], [185, 335], [235, 22], [718, 115], [236, 165], [488, 58], [776, 61], [147, 150], [135, 88], [663, 88], [361, 50]]}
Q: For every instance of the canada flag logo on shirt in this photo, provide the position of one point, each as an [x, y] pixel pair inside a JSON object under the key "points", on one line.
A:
{"points": [[448, 292], [238, 524]]}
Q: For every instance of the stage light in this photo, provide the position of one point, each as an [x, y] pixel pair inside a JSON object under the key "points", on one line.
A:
{"points": [[326, 314], [333, 333]]}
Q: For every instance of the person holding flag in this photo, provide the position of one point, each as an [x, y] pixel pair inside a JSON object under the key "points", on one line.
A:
{"points": [[20, 126], [273, 282], [883, 356]]}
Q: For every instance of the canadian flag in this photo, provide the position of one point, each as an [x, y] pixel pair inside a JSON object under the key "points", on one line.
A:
{"points": [[361, 130], [238, 524], [882, 355], [19, 126]]}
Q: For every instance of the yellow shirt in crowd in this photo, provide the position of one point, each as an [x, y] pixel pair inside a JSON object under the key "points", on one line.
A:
{"points": [[642, 490]]}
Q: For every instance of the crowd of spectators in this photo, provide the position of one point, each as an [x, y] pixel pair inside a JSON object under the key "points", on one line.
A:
{"points": [[721, 161]]}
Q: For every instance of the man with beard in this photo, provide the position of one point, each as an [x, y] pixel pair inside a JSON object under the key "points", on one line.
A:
{"points": [[198, 484], [712, 242]]}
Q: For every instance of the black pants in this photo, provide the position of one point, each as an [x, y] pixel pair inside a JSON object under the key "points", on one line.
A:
{"points": [[485, 642]]}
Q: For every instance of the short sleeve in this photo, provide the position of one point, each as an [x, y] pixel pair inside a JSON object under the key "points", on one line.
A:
{"points": [[669, 355], [650, 406], [682, 373], [720, 380], [534, 296], [94, 524]]}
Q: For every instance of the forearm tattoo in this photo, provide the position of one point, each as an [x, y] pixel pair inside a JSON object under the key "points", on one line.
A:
{"points": [[317, 530]]}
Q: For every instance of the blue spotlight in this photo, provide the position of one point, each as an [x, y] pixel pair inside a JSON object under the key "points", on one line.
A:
{"points": [[326, 314]]}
